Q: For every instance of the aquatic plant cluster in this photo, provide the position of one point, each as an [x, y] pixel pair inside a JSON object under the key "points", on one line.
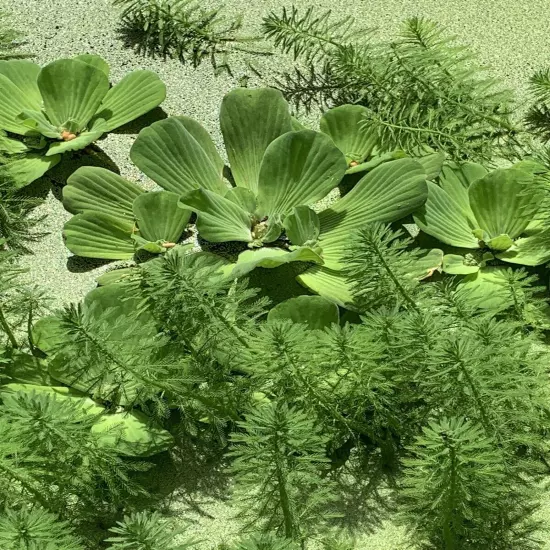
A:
{"points": [[404, 377]]}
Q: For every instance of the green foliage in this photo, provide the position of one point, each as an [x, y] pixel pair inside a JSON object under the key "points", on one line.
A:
{"points": [[278, 459], [146, 531], [36, 529], [53, 113], [17, 220], [455, 491], [181, 29], [419, 89], [538, 116], [265, 542]]}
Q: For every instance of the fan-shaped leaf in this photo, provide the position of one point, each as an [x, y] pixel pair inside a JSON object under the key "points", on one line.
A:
{"points": [[443, 218], [329, 283], [342, 125], [81, 141], [534, 250], [219, 219], [272, 257], [242, 197], [98, 235], [29, 168], [455, 181], [94, 60], [72, 91], [302, 225], [298, 168], [316, 311], [501, 202], [388, 193], [24, 75], [179, 155], [432, 164], [136, 94], [159, 217], [12, 103], [96, 189], [250, 120]]}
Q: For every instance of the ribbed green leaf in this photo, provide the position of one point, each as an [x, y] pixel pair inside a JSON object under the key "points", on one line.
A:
{"points": [[534, 250], [302, 225], [219, 219], [329, 283], [271, 258], [96, 189], [81, 141], [72, 91], [179, 155], [132, 434], [242, 197], [250, 120], [96, 235], [24, 75], [342, 125], [388, 193], [298, 168], [136, 94], [159, 217], [316, 311], [432, 164], [443, 218], [13, 101], [28, 168], [502, 202], [455, 181], [94, 60], [39, 122]]}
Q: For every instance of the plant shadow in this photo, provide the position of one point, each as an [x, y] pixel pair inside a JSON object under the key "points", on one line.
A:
{"points": [[365, 490], [90, 156], [193, 474], [78, 264]]}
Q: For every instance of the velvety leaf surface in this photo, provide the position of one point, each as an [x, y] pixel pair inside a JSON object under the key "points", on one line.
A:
{"points": [[81, 141], [341, 124], [443, 217], [27, 169], [388, 193], [298, 168], [302, 225], [179, 155], [96, 189], [219, 219], [136, 94], [532, 251], [501, 202], [24, 74], [159, 218], [329, 283], [250, 120], [98, 235], [72, 91]]}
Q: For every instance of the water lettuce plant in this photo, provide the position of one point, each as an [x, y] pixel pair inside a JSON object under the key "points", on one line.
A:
{"points": [[278, 171], [487, 215], [68, 104], [115, 217]]}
